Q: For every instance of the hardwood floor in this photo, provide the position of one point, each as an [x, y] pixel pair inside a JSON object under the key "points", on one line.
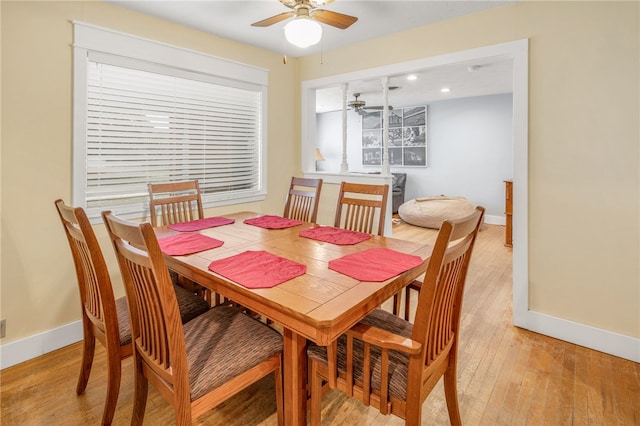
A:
{"points": [[507, 376]]}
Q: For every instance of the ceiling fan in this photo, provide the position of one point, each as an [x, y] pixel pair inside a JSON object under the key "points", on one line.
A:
{"points": [[360, 107], [308, 9]]}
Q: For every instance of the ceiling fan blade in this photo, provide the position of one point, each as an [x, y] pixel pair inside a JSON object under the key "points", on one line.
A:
{"points": [[377, 107], [273, 20], [334, 19]]}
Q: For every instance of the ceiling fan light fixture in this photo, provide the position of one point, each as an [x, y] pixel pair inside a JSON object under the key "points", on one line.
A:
{"points": [[303, 32], [356, 104]]}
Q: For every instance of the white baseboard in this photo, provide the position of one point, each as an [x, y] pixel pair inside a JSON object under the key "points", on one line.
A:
{"points": [[39, 344], [609, 342], [494, 220]]}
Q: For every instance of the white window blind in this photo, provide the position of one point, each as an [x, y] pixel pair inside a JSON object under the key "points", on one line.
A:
{"points": [[148, 112], [144, 127]]}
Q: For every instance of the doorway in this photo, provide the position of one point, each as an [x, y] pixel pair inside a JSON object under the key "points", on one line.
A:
{"points": [[517, 52]]}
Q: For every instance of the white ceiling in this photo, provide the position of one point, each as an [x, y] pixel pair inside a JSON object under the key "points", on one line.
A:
{"points": [[465, 79], [232, 20]]}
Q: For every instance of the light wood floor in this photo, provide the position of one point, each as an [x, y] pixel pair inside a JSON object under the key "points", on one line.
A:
{"points": [[507, 376]]}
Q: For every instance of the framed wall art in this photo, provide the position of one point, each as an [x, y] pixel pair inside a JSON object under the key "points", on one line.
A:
{"points": [[407, 137]]}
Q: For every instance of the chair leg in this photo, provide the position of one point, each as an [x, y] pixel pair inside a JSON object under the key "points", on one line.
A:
{"points": [[413, 412], [315, 385], [88, 351], [113, 387], [279, 394], [396, 303], [451, 395], [183, 417], [206, 295], [407, 303], [140, 395]]}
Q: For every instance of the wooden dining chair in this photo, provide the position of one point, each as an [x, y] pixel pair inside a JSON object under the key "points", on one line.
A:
{"points": [[302, 199], [104, 317], [359, 205], [199, 365], [392, 364], [178, 202], [175, 202]]}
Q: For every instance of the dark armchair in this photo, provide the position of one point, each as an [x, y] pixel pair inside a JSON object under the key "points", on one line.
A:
{"points": [[397, 190]]}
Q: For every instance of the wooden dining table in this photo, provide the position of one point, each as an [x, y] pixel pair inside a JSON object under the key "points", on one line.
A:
{"points": [[317, 306]]}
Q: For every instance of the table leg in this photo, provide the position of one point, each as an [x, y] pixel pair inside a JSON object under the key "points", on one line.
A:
{"points": [[295, 379]]}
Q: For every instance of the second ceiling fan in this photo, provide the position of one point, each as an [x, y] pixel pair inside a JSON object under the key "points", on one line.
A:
{"points": [[361, 107]]}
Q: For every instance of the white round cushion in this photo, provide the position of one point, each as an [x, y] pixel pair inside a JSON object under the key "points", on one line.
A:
{"points": [[430, 212]]}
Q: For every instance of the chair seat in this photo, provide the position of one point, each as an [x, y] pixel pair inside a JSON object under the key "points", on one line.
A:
{"points": [[123, 321], [189, 304], [224, 343], [398, 362]]}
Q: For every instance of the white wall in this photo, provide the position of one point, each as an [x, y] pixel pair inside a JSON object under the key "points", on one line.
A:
{"points": [[469, 150]]}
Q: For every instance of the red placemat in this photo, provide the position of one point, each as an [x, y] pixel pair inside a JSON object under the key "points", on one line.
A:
{"points": [[197, 225], [183, 244], [333, 235], [257, 269], [375, 264], [272, 222]]}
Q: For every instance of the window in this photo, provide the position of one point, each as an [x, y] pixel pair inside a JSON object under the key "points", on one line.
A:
{"points": [[138, 121]]}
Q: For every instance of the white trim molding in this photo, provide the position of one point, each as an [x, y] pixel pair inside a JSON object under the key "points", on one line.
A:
{"points": [[606, 341], [99, 39], [39, 344]]}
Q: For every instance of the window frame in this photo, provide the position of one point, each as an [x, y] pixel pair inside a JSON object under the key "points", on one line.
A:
{"points": [[91, 42]]}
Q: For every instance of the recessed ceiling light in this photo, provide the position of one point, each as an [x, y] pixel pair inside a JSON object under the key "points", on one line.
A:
{"points": [[445, 90], [412, 77]]}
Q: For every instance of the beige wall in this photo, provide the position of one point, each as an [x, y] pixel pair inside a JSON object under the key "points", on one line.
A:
{"points": [[584, 158], [38, 289]]}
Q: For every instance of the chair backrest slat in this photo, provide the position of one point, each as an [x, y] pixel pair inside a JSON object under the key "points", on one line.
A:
{"points": [[437, 318], [359, 205], [175, 202], [302, 199]]}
